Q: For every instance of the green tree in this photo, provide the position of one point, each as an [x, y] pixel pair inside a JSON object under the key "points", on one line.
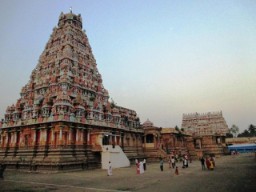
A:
{"points": [[229, 135], [244, 134], [234, 130], [252, 130]]}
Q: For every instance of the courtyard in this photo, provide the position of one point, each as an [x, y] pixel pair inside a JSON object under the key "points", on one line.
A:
{"points": [[232, 173]]}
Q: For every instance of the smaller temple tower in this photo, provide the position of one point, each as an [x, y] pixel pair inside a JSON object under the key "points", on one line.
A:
{"points": [[208, 130], [205, 123]]}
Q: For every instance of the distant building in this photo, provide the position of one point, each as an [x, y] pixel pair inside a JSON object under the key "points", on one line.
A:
{"points": [[205, 124], [208, 130]]}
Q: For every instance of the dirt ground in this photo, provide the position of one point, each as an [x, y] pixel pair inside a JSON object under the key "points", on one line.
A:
{"points": [[232, 174]]}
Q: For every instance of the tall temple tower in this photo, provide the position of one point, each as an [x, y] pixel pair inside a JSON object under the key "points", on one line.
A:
{"points": [[63, 117]]}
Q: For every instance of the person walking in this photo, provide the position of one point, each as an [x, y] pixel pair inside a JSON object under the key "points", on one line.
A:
{"points": [[186, 161], [109, 168], [141, 167], [176, 171], [161, 164], [211, 165], [184, 164], [213, 160], [137, 166], [207, 161], [2, 168], [173, 162], [202, 163], [169, 161], [144, 164]]}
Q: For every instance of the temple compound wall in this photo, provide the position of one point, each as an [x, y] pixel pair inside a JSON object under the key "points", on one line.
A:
{"points": [[208, 130], [241, 140], [64, 117]]}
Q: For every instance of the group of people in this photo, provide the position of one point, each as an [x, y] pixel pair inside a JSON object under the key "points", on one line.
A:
{"points": [[209, 161], [234, 152], [173, 160], [185, 161], [141, 166]]}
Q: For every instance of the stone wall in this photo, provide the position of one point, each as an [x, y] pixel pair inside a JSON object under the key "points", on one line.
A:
{"points": [[241, 140]]}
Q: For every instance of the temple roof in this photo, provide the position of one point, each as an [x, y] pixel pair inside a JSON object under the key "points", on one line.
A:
{"points": [[168, 130], [70, 18], [147, 123]]}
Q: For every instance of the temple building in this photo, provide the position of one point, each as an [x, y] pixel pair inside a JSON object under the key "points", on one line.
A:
{"points": [[165, 142], [205, 123], [208, 130], [63, 118]]}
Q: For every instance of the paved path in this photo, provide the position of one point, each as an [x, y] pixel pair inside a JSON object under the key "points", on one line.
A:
{"points": [[232, 173]]}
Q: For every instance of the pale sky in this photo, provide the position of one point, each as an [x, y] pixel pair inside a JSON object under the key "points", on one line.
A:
{"points": [[160, 58]]}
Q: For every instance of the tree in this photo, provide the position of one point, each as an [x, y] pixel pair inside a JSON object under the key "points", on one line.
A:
{"points": [[234, 130], [244, 134], [252, 130], [229, 135], [177, 128]]}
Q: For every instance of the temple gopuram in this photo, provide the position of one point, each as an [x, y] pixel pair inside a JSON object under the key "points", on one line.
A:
{"points": [[208, 131], [63, 118]]}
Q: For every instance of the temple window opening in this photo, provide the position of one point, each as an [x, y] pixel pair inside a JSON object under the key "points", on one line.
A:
{"points": [[150, 138]]}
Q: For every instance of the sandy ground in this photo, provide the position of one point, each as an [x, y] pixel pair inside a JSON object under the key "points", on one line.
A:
{"points": [[232, 173]]}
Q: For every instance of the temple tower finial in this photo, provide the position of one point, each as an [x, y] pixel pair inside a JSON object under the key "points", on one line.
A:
{"points": [[70, 8]]}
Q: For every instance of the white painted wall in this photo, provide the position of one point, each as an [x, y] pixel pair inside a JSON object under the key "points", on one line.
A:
{"points": [[115, 155]]}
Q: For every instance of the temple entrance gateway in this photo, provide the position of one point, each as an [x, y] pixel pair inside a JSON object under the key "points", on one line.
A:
{"points": [[105, 140]]}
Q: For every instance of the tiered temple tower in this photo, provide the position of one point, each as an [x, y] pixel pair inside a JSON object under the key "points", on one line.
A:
{"points": [[64, 117], [208, 130], [205, 124]]}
